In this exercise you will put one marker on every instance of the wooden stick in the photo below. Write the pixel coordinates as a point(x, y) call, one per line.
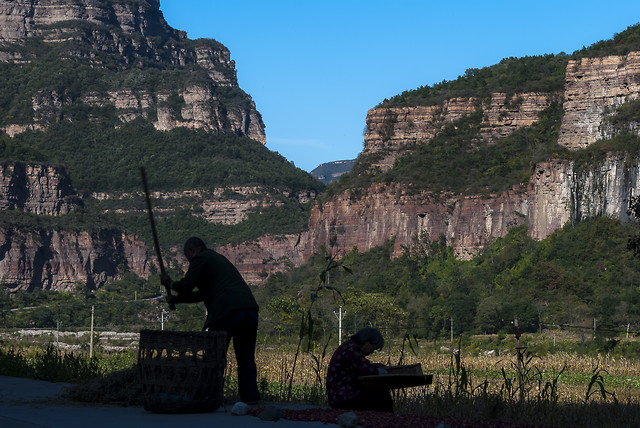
point(156, 243)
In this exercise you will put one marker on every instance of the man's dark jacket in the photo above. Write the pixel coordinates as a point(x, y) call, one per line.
point(217, 283)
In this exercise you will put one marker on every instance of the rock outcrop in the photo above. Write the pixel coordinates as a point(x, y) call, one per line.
point(258, 259)
point(60, 260)
point(595, 88)
point(390, 130)
point(20, 19)
point(126, 37)
point(556, 194)
point(35, 255)
point(37, 189)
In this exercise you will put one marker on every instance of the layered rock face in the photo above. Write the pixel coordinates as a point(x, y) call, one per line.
point(20, 19)
point(36, 189)
point(129, 35)
point(258, 259)
point(392, 211)
point(58, 260)
point(557, 192)
point(594, 88)
point(229, 205)
point(36, 256)
point(389, 130)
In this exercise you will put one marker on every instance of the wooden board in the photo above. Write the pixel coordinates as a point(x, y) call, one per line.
point(395, 381)
point(413, 369)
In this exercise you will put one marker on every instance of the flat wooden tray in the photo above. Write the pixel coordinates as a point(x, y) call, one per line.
point(395, 381)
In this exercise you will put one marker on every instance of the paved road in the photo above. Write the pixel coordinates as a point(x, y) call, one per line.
point(27, 403)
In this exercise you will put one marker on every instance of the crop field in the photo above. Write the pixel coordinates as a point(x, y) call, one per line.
point(558, 389)
point(572, 373)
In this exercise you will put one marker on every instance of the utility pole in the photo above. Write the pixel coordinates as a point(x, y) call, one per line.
point(91, 335)
point(520, 350)
point(58, 333)
point(627, 331)
point(451, 329)
point(340, 315)
point(162, 319)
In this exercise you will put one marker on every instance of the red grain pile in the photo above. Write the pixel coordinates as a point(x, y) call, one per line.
point(388, 420)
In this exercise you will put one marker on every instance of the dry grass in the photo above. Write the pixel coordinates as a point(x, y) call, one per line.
point(559, 389)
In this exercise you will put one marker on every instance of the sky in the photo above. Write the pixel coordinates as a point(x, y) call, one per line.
point(314, 68)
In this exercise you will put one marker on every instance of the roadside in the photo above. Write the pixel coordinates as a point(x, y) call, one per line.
point(28, 403)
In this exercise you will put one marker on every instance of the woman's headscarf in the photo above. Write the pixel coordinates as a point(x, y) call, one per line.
point(371, 335)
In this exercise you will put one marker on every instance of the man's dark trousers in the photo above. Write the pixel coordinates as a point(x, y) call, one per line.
point(242, 326)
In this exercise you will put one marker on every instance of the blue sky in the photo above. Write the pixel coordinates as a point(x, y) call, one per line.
point(314, 68)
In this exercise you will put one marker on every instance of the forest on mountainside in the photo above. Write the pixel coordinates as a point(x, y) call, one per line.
point(581, 273)
point(88, 102)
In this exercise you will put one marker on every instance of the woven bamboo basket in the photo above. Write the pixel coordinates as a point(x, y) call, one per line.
point(182, 372)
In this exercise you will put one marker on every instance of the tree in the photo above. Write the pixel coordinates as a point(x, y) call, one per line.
point(375, 309)
point(286, 309)
point(634, 210)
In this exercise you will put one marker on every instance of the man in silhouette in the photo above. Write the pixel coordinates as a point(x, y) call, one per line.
point(231, 307)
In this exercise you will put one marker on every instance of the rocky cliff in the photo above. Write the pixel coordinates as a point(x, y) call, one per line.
point(37, 189)
point(389, 130)
point(59, 260)
point(557, 192)
point(35, 255)
point(595, 88)
point(125, 37)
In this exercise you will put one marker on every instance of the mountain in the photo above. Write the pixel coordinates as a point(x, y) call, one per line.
point(96, 89)
point(331, 171)
point(540, 141)
point(60, 56)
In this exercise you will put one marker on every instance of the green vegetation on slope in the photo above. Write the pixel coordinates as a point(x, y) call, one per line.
point(174, 229)
point(456, 160)
point(56, 81)
point(580, 273)
point(620, 44)
point(511, 75)
point(453, 161)
point(100, 158)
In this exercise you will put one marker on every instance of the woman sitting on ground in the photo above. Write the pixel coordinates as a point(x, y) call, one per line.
point(348, 362)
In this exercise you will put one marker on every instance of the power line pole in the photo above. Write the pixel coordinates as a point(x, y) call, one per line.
point(91, 335)
point(452, 329)
point(340, 315)
point(627, 331)
point(58, 333)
